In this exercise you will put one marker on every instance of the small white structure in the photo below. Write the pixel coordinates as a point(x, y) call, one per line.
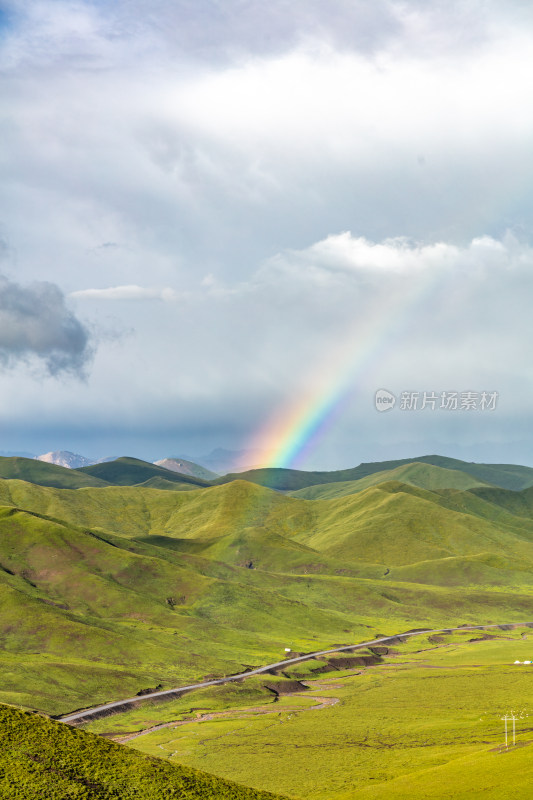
point(517, 662)
point(527, 662)
point(287, 649)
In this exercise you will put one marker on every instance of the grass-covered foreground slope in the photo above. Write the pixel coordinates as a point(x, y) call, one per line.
point(425, 723)
point(42, 758)
point(105, 592)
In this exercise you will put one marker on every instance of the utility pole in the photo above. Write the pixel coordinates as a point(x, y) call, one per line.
point(513, 718)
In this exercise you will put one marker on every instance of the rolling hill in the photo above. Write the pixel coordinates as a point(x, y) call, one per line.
point(44, 474)
point(507, 476)
point(131, 471)
point(121, 472)
point(426, 476)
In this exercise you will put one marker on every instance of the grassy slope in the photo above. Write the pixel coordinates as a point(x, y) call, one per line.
point(41, 758)
point(390, 525)
point(518, 503)
point(425, 476)
point(161, 483)
point(68, 595)
point(396, 524)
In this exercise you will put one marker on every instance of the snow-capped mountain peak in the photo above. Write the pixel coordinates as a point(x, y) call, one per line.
point(64, 458)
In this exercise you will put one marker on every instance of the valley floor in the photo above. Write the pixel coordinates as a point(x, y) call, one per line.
point(424, 723)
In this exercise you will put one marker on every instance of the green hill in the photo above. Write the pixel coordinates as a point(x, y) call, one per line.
point(42, 758)
point(508, 476)
point(43, 474)
point(425, 476)
point(396, 524)
point(131, 471)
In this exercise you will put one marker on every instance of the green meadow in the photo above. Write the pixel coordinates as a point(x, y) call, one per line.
point(420, 724)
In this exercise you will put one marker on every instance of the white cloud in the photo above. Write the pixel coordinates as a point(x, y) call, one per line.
point(346, 254)
point(130, 292)
point(222, 165)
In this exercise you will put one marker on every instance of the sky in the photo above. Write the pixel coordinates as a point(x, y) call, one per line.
point(229, 224)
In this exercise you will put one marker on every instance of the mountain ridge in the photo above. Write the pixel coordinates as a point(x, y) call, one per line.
point(509, 476)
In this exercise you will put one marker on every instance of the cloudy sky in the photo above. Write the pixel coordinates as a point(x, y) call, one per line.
point(227, 223)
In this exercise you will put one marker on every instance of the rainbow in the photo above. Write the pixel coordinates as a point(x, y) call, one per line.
point(295, 429)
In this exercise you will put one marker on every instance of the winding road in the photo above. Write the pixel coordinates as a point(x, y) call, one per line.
point(123, 705)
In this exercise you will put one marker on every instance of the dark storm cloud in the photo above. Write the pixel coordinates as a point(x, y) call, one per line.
point(34, 321)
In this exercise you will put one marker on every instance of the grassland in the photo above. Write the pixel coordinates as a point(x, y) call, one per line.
point(422, 724)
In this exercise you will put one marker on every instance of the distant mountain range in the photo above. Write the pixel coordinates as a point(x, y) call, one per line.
point(508, 476)
point(223, 461)
point(433, 472)
point(218, 462)
point(64, 458)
